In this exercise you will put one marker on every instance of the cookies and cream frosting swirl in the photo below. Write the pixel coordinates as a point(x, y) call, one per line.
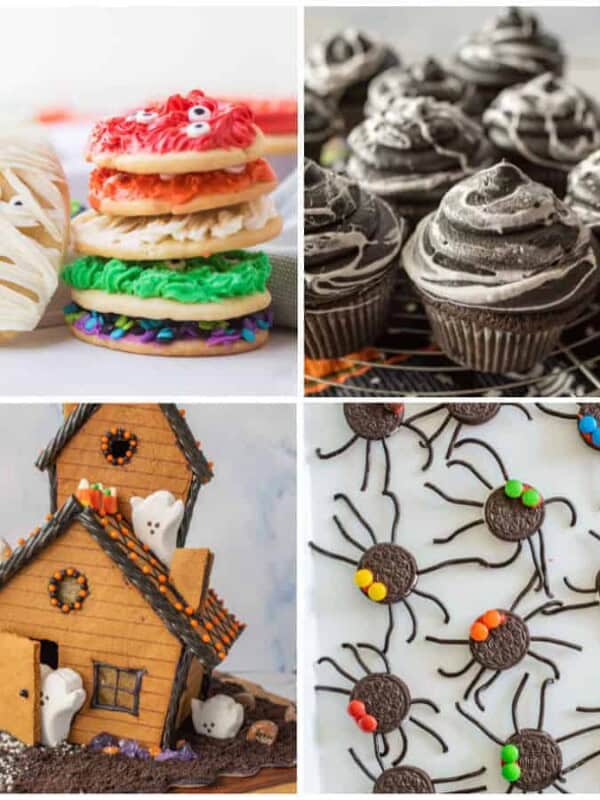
point(583, 194)
point(417, 145)
point(546, 121)
point(500, 241)
point(509, 49)
point(426, 78)
point(342, 60)
point(321, 120)
point(351, 238)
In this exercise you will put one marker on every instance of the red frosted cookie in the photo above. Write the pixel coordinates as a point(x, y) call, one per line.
point(125, 194)
point(191, 133)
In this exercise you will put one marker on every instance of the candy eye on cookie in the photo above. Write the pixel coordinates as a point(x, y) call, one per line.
point(375, 590)
point(196, 129)
point(145, 117)
point(199, 112)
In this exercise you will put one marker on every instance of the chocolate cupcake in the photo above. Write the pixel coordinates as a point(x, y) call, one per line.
point(502, 266)
point(545, 126)
point(351, 245)
point(512, 48)
point(583, 193)
point(321, 123)
point(341, 67)
point(426, 78)
point(412, 153)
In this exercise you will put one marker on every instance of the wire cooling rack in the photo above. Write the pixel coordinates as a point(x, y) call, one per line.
point(405, 361)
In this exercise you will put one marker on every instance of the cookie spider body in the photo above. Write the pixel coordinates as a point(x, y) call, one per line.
point(473, 413)
point(385, 697)
point(404, 780)
point(540, 759)
point(392, 567)
point(509, 520)
point(374, 421)
point(505, 645)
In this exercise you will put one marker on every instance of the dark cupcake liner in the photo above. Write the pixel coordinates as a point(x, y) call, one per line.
point(333, 332)
point(494, 342)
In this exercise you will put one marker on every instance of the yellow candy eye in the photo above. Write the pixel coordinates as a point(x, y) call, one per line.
point(377, 592)
point(363, 578)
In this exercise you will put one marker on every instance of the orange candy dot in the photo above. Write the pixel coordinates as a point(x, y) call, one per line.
point(162, 579)
point(54, 601)
point(478, 632)
point(189, 611)
point(206, 638)
point(65, 609)
point(178, 606)
point(146, 570)
point(492, 619)
point(194, 623)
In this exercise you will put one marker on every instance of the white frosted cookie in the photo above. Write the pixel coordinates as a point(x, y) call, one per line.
point(34, 229)
point(177, 237)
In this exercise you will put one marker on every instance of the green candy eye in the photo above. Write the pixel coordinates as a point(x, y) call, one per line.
point(509, 753)
point(513, 488)
point(511, 772)
point(531, 498)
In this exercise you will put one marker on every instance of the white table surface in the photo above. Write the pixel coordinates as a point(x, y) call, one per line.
point(548, 453)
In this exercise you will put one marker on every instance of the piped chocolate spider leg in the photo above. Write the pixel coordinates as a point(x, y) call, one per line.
point(552, 413)
point(413, 618)
point(472, 470)
point(514, 708)
point(338, 689)
point(380, 653)
point(474, 682)
point(544, 687)
point(482, 728)
point(470, 790)
point(490, 450)
point(344, 533)
point(579, 732)
point(330, 554)
point(573, 588)
point(483, 688)
point(424, 440)
point(465, 775)
point(390, 628)
point(396, 519)
point(521, 407)
point(524, 592)
point(324, 456)
point(461, 671)
point(361, 766)
point(544, 564)
point(385, 745)
point(460, 530)
point(574, 606)
point(357, 656)
point(423, 701)
point(388, 465)
point(547, 661)
point(439, 640)
point(457, 501)
point(536, 565)
point(367, 470)
point(559, 788)
point(594, 534)
point(400, 758)
point(440, 429)
point(453, 438)
point(436, 600)
point(581, 762)
point(431, 732)
point(510, 789)
point(428, 412)
point(569, 505)
point(481, 561)
point(337, 668)
point(357, 514)
point(561, 642)
point(543, 609)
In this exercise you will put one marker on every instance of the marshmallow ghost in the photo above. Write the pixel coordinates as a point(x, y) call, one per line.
point(62, 696)
point(156, 520)
point(221, 717)
point(34, 229)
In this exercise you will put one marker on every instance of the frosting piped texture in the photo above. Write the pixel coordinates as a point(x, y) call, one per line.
point(546, 121)
point(347, 58)
point(426, 78)
point(351, 238)
point(178, 124)
point(583, 195)
point(512, 48)
point(500, 241)
point(417, 146)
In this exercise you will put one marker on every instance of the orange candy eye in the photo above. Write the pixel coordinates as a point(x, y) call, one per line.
point(492, 619)
point(479, 632)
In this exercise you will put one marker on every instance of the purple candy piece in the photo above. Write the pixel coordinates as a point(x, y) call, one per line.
point(102, 740)
point(185, 753)
point(148, 336)
point(225, 339)
point(133, 749)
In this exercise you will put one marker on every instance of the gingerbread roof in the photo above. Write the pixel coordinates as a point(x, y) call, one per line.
point(208, 632)
point(80, 415)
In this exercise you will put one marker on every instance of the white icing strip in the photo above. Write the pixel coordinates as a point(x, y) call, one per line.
point(33, 210)
point(136, 231)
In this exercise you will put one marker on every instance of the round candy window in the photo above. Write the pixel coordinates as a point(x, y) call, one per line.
point(118, 446)
point(68, 589)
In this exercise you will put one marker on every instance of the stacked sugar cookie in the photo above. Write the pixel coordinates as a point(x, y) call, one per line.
point(179, 189)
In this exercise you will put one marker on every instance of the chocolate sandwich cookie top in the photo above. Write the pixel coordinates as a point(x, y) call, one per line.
point(546, 121)
point(416, 146)
point(345, 59)
point(583, 193)
point(351, 237)
point(404, 780)
point(425, 78)
point(321, 120)
point(502, 241)
point(512, 48)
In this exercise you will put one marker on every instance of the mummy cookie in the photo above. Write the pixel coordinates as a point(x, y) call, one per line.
point(34, 230)
point(124, 194)
point(173, 237)
point(184, 133)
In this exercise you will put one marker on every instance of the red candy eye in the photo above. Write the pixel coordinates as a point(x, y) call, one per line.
point(356, 709)
point(368, 724)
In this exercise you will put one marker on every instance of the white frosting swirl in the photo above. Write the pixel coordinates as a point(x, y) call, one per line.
point(347, 58)
point(583, 194)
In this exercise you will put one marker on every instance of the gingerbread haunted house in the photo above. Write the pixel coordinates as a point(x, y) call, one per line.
point(106, 587)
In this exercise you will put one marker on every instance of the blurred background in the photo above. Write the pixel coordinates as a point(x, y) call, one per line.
point(246, 515)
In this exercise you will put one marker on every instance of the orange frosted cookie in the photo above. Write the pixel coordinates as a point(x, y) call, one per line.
point(126, 194)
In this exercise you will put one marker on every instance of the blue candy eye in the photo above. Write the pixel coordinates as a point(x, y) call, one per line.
point(596, 437)
point(588, 424)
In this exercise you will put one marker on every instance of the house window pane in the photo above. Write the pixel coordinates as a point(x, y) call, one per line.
point(127, 680)
point(126, 700)
point(117, 689)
